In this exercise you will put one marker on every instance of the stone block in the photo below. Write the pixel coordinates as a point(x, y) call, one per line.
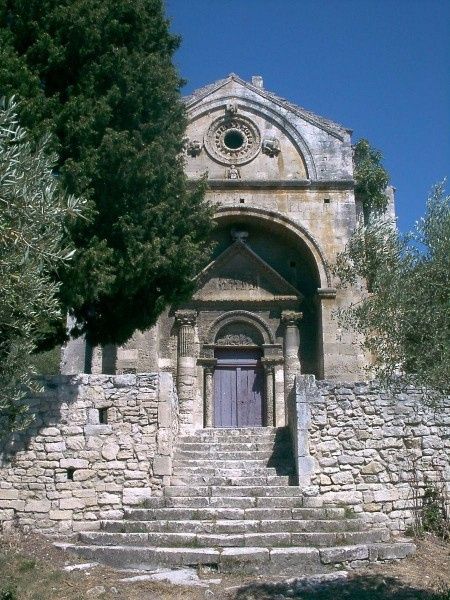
point(37, 506)
point(8, 494)
point(71, 503)
point(164, 414)
point(75, 442)
point(110, 451)
point(60, 515)
point(343, 553)
point(162, 465)
point(74, 463)
point(135, 496)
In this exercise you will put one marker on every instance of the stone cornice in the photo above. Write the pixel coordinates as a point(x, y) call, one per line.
point(276, 184)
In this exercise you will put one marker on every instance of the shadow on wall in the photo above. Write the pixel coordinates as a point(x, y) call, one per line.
point(45, 410)
point(369, 587)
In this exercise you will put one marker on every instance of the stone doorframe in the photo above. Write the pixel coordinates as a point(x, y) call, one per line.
point(273, 362)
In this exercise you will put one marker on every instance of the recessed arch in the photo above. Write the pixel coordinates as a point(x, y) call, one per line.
point(240, 316)
point(299, 232)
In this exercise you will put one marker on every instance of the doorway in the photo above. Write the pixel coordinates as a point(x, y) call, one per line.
point(238, 388)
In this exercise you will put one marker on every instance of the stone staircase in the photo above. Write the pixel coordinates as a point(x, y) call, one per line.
point(232, 505)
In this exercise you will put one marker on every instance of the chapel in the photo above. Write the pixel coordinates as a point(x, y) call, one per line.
point(281, 179)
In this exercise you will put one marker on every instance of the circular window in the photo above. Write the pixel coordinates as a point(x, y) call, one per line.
point(233, 139)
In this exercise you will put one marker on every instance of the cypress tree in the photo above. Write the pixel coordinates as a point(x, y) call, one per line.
point(98, 75)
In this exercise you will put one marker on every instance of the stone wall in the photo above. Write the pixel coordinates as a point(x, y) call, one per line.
point(375, 450)
point(98, 444)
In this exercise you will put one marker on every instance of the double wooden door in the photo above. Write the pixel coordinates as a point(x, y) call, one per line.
point(238, 388)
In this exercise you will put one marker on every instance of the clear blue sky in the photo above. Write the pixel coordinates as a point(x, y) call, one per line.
point(379, 67)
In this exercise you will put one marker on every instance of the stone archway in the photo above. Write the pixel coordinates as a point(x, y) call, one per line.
point(239, 371)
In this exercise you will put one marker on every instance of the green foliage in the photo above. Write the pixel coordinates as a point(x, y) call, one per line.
point(405, 321)
point(434, 512)
point(371, 179)
point(98, 74)
point(33, 215)
point(8, 593)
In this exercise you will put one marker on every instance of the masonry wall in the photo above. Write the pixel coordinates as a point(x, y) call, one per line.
point(68, 470)
point(374, 450)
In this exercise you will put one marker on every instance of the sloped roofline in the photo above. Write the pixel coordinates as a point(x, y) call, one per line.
point(329, 126)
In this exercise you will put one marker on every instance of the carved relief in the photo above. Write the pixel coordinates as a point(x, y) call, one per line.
point(233, 172)
point(194, 148)
point(233, 140)
point(244, 282)
point(238, 334)
point(239, 339)
point(271, 147)
point(231, 109)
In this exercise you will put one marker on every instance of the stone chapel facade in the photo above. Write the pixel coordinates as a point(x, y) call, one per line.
point(282, 181)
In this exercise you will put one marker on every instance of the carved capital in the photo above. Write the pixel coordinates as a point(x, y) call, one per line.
point(268, 365)
point(290, 317)
point(186, 317)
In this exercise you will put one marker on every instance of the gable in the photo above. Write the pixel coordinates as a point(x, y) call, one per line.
point(239, 274)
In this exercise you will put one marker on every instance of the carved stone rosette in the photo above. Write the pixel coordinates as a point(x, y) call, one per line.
point(233, 140)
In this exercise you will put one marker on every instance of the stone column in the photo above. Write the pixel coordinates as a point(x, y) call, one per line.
point(74, 353)
point(269, 371)
point(208, 416)
point(329, 351)
point(291, 349)
point(186, 369)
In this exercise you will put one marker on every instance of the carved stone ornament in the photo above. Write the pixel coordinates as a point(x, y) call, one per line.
point(290, 317)
point(186, 317)
point(271, 147)
point(194, 147)
point(231, 109)
point(233, 173)
point(233, 140)
point(238, 339)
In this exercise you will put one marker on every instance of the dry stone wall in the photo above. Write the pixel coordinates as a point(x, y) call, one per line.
point(374, 450)
point(98, 444)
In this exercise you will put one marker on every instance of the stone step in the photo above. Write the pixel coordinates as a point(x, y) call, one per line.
point(276, 560)
point(213, 513)
point(222, 433)
point(244, 455)
point(227, 491)
point(226, 463)
point(235, 502)
point(201, 480)
point(206, 540)
point(221, 471)
point(211, 447)
point(235, 526)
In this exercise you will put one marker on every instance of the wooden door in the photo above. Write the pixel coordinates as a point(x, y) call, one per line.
point(238, 388)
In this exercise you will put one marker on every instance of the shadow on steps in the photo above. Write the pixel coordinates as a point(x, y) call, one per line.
point(361, 587)
point(282, 458)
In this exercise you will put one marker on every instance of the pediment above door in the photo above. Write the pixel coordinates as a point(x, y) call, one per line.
point(239, 274)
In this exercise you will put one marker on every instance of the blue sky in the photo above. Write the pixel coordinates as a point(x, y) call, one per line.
point(380, 67)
